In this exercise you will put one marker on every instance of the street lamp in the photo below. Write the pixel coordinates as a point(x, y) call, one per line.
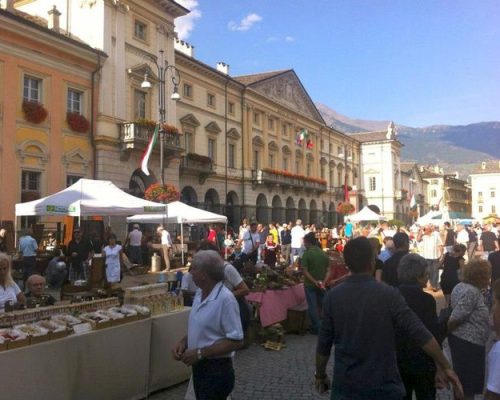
point(162, 67)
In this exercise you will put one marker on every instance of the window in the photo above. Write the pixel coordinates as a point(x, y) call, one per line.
point(30, 181)
point(284, 130)
point(231, 152)
point(372, 183)
point(256, 118)
point(211, 149)
point(188, 138)
point(492, 194)
point(285, 164)
point(321, 144)
point(330, 148)
point(322, 172)
point(139, 104)
point(75, 101)
point(339, 177)
point(72, 179)
point(256, 163)
point(187, 90)
point(480, 209)
point(297, 167)
point(479, 194)
point(32, 89)
point(230, 108)
point(211, 100)
point(433, 193)
point(271, 161)
point(330, 177)
point(270, 124)
point(309, 169)
point(493, 209)
point(140, 30)
point(339, 150)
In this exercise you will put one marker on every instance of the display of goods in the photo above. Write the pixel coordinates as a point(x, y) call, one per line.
point(11, 335)
point(31, 330)
point(155, 297)
point(110, 314)
point(51, 326)
point(140, 310)
point(66, 319)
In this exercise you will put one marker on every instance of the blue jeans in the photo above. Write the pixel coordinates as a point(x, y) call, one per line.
point(314, 297)
point(135, 253)
point(296, 251)
point(433, 266)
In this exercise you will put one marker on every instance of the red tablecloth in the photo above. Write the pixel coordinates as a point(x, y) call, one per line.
point(274, 304)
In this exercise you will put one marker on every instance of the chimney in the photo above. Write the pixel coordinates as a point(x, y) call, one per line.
point(483, 165)
point(184, 47)
point(54, 19)
point(223, 67)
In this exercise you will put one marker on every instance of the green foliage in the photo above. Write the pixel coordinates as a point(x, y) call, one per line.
point(396, 222)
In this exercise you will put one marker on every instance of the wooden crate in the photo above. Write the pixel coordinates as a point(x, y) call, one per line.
point(297, 320)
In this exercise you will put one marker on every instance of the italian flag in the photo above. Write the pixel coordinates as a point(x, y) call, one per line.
point(148, 151)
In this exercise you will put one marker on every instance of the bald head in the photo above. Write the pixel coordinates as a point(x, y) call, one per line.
point(36, 285)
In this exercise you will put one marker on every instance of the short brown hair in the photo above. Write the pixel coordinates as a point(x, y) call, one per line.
point(477, 272)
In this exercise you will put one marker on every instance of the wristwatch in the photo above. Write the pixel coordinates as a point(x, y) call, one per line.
point(198, 353)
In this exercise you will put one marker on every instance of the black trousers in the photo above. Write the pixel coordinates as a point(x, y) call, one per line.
point(213, 379)
point(421, 384)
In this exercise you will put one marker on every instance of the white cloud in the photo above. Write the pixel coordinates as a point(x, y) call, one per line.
point(246, 23)
point(274, 39)
point(184, 25)
point(289, 39)
point(271, 39)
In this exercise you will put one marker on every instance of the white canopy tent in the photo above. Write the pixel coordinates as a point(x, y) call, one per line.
point(366, 214)
point(180, 213)
point(430, 217)
point(89, 197)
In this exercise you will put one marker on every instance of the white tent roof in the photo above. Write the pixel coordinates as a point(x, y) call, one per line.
point(431, 216)
point(178, 212)
point(366, 214)
point(89, 197)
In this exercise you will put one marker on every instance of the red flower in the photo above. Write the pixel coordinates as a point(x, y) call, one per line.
point(170, 129)
point(162, 194)
point(34, 111)
point(345, 208)
point(77, 122)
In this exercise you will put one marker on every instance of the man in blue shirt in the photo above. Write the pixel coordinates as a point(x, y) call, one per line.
point(28, 248)
point(361, 317)
point(348, 231)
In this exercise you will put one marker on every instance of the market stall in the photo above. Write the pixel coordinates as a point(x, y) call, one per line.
point(366, 214)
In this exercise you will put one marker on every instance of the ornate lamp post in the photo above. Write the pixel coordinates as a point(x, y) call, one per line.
point(163, 67)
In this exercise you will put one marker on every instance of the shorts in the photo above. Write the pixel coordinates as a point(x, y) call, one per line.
point(493, 382)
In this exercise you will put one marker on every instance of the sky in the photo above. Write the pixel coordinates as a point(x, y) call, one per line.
point(418, 63)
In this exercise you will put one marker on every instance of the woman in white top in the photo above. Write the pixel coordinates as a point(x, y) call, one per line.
point(112, 256)
point(9, 291)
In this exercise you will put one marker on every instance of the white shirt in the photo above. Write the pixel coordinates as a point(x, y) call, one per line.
point(462, 237)
point(213, 319)
point(249, 241)
point(8, 293)
point(430, 246)
point(165, 238)
point(135, 237)
point(232, 277)
point(298, 234)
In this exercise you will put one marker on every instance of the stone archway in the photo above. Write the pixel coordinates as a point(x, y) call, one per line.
point(139, 182)
point(233, 210)
point(189, 196)
point(277, 210)
point(262, 209)
point(303, 213)
point(212, 202)
point(332, 215)
point(291, 211)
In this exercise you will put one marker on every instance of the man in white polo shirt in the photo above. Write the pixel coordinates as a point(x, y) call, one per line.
point(134, 240)
point(298, 234)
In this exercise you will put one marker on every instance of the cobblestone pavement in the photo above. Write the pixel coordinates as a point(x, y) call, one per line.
point(274, 375)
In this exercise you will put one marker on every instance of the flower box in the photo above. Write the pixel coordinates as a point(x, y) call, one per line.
point(170, 129)
point(34, 112)
point(162, 194)
point(345, 208)
point(77, 122)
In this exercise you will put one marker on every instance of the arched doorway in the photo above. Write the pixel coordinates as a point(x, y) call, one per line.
point(189, 196)
point(233, 210)
point(212, 202)
point(262, 209)
point(291, 211)
point(332, 216)
point(303, 214)
point(324, 214)
point(313, 212)
point(139, 182)
point(277, 210)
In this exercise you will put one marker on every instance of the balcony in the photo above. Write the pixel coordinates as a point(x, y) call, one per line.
point(135, 136)
point(196, 164)
point(401, 194)
point(285, 179)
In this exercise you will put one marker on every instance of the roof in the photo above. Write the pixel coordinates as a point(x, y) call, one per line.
point(490, 167)
point(249, 80)
point(173, 8)
point(42, 25)
point(429, 174)
point(365, 137)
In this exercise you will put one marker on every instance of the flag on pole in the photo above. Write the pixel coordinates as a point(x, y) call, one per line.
point(413, 202)
point(149, 150)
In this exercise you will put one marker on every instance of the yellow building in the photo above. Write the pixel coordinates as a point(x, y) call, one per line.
point(46, 103)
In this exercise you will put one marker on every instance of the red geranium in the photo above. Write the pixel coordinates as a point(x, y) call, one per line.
point(345, 208)
point(170, 129)
point(77, 122)
point(34, 111)
point(162, 194)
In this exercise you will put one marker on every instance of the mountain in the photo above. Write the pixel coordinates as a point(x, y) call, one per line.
point(455, 148)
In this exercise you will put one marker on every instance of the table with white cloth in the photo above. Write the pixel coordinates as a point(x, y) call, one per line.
point(107, 364)
point(166, 331)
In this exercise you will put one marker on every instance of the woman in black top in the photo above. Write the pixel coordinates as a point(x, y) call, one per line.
point(452, 264)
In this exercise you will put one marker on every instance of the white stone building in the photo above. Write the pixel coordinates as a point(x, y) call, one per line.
point(485, 187)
